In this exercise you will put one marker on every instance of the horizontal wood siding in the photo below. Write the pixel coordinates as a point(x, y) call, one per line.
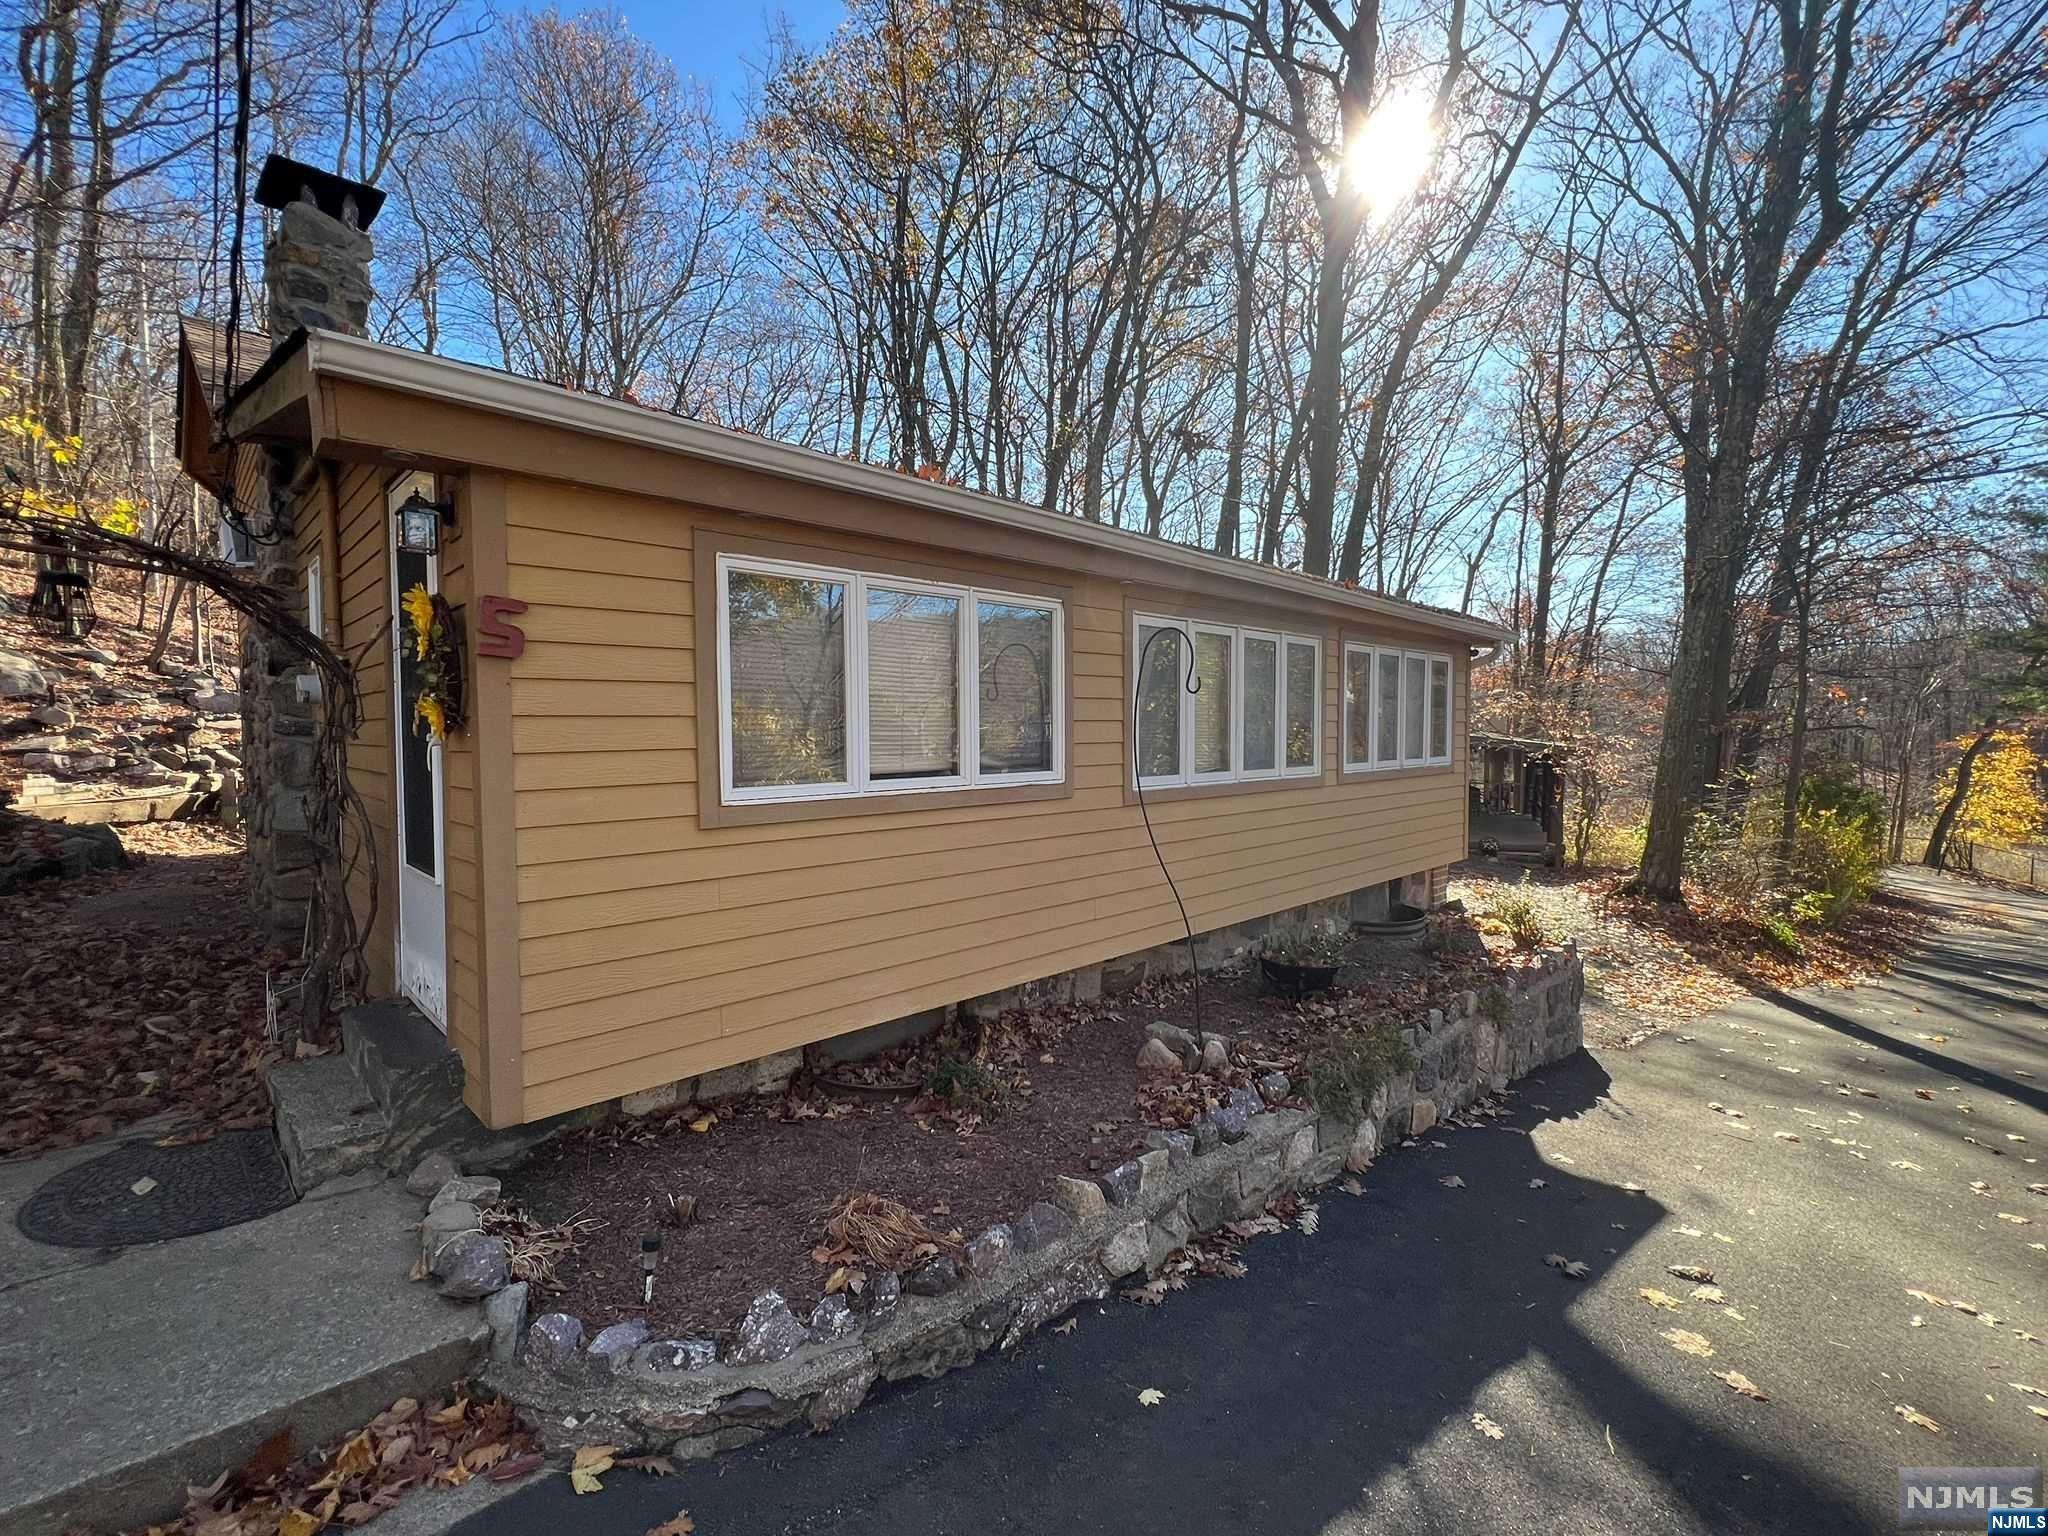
point(652, 947)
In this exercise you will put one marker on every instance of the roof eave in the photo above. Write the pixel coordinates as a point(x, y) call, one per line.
point(354, 358)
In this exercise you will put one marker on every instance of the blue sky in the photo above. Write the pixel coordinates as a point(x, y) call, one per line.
point(717, 43)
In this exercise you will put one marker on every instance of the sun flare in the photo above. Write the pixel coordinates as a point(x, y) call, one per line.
point(1390, 154)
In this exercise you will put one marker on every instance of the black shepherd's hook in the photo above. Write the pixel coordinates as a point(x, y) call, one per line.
point(1192, 685)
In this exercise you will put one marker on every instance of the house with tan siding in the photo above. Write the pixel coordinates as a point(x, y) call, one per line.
point(764, 748)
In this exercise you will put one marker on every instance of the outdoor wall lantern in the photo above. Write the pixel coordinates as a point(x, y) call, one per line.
point(419, 524)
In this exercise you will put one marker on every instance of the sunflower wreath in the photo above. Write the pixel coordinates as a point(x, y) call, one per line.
point(437, 647)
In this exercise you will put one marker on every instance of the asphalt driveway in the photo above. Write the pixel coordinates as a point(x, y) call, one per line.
point(1334, 1388)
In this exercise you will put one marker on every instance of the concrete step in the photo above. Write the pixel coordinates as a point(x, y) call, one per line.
point(328, 1125)
point(126, 1376)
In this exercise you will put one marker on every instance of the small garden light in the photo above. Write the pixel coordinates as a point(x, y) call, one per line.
point(650, 1255)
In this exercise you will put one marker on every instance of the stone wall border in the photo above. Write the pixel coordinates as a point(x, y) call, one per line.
point(695, 1397)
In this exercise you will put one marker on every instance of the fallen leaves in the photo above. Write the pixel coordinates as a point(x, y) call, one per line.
point(1915, 1417)
point(1687, 1342)
point(1737, 1382)
point(1712, 1295)
point(1308, 1221)
point(1657, 1298)
point(679, 1524)
point(2016, 1220)
point(1451, 1181)
point(1151, 1397)
point(1576, 1268)
point(592, 1462)
point(1487, 1427)
point(409, 1445)
point(1695, 1272)
point(1068, 1326)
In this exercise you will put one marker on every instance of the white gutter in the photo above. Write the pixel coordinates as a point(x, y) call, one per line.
point(368, 362)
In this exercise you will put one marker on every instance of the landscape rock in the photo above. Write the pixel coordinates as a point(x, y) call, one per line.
point(1126, 1250)
point(615, 1345)
point(470, 1265)
point(57, 717)
point(19, 677)
point(1233, 1117)
point(505, 1311)
point(883, 1293)
point(1041, 1226)
point(1422, 1116)
point(430, 1173)
point(1274, 1087)
point(1215, 1057)
point(552, 1339)
point(1124, 1182)
point(934, 1278)
point(1065, 1288)
point(445, 1222)
point(221, 701)
point(987, 1253)
point(768, 1332)
point(1082, 1198)
point(1153, 1167)
point(1178, 1146)
point(475, 1191)
point(1181, 1042)
point(1157, 1059)
point(833, 1319)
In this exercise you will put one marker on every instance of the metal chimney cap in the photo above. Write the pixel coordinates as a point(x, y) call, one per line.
point(285, 180)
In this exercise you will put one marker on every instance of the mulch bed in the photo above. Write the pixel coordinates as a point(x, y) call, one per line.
point(765, 1172)
point(132, 993)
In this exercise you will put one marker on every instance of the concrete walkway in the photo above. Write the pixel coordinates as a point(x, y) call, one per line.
point(1334, 1388)
point(127, 1373)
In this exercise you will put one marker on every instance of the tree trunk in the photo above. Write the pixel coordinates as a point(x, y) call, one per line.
point(1944, 824)
point(1324, 390)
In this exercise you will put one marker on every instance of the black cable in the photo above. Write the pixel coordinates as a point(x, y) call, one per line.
point(1193, 685)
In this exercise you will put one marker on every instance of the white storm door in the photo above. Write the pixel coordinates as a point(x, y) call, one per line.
point(422, 901)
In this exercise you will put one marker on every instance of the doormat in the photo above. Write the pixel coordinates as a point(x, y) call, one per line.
point(143, 1193)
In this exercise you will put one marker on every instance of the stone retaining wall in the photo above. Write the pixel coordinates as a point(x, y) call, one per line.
point(695, 1397)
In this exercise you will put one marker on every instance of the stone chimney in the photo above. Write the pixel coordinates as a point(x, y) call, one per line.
point(316, 276)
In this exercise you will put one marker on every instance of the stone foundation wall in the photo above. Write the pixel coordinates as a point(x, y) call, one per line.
point(694, 1397)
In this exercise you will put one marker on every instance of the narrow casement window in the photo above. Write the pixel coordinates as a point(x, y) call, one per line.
point(1261, 705)
point(913, 686)
point(1215, 719)
point(1218, 704)
point(1414, 705)
point(1016, 686)
point(1439, 709)
point(1162, 666)
point(839, 683)
point(1387, 711)
point(1357, 706)
point(1302, 705)
point(316, 602)
point(787, 652)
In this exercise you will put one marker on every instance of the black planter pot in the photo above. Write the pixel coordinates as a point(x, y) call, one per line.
point(1298, 980)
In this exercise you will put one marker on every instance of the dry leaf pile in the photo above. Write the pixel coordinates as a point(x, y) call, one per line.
point(875, 1231)
point(535, 1250)
point(409, 1445)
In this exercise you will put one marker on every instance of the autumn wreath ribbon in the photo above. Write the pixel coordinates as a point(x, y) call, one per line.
point(437, 648)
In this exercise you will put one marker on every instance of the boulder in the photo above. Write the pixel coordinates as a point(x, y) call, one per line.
point(987, 1253)
point(1274, 1087)
point(1215, 1056)
point(221, 701)
point(505, 1311)
point(833, 1319)
point(1178, 1146)
point(1422, 1116)
point(20, 678)
point(445, 1222)
point(1158, 1059)
point(882, 1295)
point(1040, 1226)
point(1124, 1182)
point(768, 1332)
point(933, 1278)
point(470, 1265)
point(614, 1345)
point(430, 1174)
point(1126, 1251)
point(474, 1191)
point(1082, 1198)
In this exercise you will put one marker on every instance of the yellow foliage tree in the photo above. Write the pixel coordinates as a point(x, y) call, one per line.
point(2004, 806)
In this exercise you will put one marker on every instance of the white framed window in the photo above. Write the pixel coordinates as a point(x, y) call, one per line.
point(835, 682)
point(1255, 712)
point(316, 602)
point(1397, 708)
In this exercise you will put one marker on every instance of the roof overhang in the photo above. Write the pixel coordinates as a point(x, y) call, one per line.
point(328, 355)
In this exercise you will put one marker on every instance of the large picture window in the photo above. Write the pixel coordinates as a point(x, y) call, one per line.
point(1255, 711)
point(1397, 708)
point(835, 682)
